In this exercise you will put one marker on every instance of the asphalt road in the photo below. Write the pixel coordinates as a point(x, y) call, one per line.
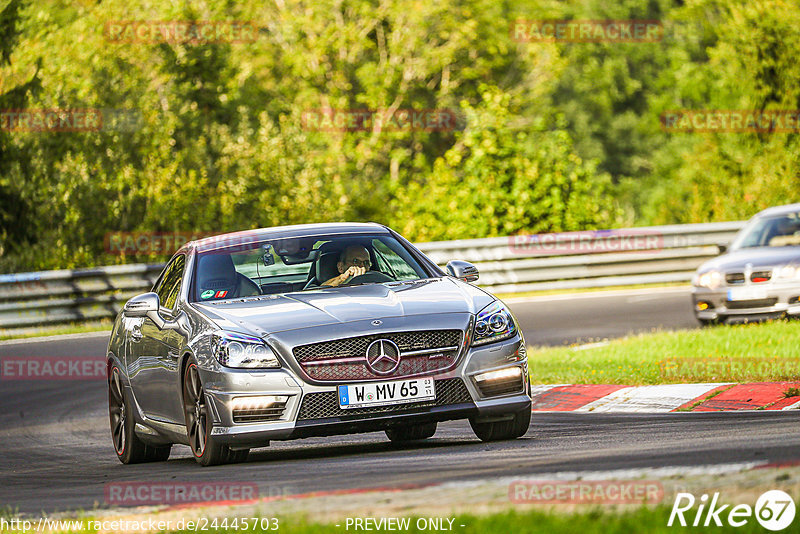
point(56, 452)
point(589, 317)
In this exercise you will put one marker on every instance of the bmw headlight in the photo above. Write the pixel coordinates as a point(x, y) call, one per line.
point(788, 272)
point(493, 323)
point(710, 279)
point(243, 352)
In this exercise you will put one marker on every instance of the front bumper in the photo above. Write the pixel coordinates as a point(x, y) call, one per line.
point(777, 299)
point(313, 410)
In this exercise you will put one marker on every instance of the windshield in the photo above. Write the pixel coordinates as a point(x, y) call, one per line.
point(302, 264)
point(780, 231)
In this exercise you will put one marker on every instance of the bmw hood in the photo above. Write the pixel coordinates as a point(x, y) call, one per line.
point(757, 256)
point(291, 311)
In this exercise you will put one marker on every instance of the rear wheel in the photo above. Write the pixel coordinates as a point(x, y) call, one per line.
point(206, 449)
point(411, 432)
point(130, 449)
point(500, 430)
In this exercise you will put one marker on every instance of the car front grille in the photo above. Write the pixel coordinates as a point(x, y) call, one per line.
point(422, 352)
point(756, 277)
point(746, 304)
point(734, 278)
point(760, 277)
point(325, 405)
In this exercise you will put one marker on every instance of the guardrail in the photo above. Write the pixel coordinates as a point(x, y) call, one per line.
point(51, 297)
point(571, 260)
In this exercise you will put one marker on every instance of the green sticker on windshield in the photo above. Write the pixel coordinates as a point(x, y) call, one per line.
point(207, 294)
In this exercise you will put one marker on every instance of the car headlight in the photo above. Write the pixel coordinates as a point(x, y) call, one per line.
point(243, 352)
point(710, 279)
point(493, 323)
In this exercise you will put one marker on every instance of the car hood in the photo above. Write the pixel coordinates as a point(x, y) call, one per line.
point(758, 256)
point(278, 313)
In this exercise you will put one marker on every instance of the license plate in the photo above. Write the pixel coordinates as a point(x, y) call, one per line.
point(386, 393)
point(747, 293)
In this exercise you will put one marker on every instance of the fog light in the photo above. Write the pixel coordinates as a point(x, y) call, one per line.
point(794, 300)
point(502, 374)
point(702, 305)
point(258, 408)
point(258, 402)
point(506, 381)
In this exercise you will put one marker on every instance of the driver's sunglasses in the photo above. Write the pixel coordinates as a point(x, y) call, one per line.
point(360, 263)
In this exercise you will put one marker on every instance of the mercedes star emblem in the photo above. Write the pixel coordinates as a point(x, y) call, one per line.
point(383, 357)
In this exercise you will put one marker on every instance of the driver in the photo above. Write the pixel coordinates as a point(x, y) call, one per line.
point(353, 261)
point(784, 233)
point(785, 227)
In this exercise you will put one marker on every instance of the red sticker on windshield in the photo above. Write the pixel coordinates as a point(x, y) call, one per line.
point(220, 294)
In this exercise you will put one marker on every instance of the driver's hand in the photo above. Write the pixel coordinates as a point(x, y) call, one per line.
point(351, 272)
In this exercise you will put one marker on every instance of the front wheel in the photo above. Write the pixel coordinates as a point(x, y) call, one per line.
point(130, 449)
point(207, 450)
point(500, 430)
point(709, 322)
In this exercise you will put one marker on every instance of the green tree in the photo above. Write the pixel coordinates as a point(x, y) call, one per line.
point(18, 221)
point(498, 180)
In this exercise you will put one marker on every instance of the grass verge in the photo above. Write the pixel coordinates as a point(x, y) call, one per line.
point(730, 353)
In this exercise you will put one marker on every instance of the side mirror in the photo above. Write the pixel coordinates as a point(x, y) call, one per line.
point(148, 305)
point(463, 270)
point(142, 305)
point(722, 247)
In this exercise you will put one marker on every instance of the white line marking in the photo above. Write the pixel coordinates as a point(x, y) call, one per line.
point(650, 399)
point(795, 406)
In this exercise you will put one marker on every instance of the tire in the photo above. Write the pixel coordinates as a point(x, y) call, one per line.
point(129, 448)
point(405, 433)
point(704, 323)
point(500, 430)
point(199, 423)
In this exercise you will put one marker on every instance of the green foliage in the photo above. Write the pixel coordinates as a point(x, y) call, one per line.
point(550, 137)
point(500, 180)
point(752, 66)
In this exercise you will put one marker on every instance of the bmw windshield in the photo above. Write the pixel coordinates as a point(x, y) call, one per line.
point(777, 231)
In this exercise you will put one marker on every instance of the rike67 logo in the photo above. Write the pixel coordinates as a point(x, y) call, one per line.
point(774, 510)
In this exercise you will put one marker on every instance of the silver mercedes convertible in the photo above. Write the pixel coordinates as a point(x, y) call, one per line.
point(310, 330)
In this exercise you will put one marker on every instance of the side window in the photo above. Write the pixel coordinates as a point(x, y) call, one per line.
point(397, 265)
point(170, 285)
